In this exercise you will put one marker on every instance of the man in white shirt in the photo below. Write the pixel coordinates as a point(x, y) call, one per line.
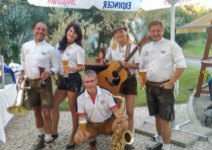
point(38, 62)
point(98, 109)
point(159, 57)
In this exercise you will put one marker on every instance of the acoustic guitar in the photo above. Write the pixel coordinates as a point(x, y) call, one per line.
point(115, 74)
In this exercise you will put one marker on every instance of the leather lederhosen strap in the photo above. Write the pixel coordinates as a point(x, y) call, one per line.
point(155, 84)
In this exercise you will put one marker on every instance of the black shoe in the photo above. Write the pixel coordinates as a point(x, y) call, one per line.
point(157, 146)
point(54, 136)
point(49, 145)
point(129, 147)
point(40, 143)
point(209, 107)
point(68, 147)
point(92, 145)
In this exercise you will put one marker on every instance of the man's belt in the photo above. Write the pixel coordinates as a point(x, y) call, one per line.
point(155, 84)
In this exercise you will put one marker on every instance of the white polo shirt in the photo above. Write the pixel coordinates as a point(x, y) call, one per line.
point(159, 59)
point(73, 53)
point(100, 110)
point(119, 54)
point(34, 55)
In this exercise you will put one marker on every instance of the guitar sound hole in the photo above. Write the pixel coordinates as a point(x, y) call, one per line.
point(115, 74)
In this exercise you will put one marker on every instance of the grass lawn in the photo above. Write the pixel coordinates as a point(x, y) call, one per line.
point(195, 48)
point(188, 81)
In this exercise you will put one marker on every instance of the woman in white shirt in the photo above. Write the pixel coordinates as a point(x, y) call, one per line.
point(120, 42)
point(70, 82)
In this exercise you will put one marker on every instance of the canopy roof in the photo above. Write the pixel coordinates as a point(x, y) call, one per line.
point(197, 25)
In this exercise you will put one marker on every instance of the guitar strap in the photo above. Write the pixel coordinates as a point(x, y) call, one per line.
point(126, 55)
point(127, 50)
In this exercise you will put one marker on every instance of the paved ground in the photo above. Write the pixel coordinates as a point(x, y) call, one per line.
point(21, 133)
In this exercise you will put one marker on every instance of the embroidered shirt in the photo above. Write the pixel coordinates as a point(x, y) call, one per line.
point(34, 55)
point(159, 58)
point(119, 54)
point(100, 110)
point(73, 53)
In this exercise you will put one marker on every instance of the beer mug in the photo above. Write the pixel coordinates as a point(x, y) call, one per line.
point(82, 124)
point(142, 74)
point(65, 64)
point(41, 70)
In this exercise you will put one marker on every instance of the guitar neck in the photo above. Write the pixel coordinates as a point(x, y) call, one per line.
point(140, 44)
point(131, 54)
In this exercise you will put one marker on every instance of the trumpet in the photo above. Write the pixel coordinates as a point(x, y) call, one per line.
point(18, 106)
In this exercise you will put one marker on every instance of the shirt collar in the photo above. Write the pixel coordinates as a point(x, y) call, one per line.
point(39, 43)
point(98, 92)
point(72, 45)
point(124, 47)
point(161, 40)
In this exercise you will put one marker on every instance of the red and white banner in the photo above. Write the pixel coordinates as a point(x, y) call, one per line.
point(116, 5)
point(81, 4)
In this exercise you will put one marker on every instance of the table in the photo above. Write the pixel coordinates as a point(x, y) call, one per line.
point(91, 64)
point(7, 98)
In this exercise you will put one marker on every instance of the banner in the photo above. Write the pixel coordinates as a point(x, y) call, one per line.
point(116, 5)
point(81, 4)
point(159, 4)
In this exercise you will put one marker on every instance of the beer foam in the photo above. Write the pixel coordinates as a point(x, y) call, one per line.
point(83, 121)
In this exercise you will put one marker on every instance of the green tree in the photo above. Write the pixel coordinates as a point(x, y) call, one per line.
point(18, 20)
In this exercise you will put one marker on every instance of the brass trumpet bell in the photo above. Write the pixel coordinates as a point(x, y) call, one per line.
point(18, 108)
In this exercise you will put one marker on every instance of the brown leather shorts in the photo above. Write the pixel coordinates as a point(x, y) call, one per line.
point(40, 96)
point(100, 128)
point(129, 86)
point(160, 101)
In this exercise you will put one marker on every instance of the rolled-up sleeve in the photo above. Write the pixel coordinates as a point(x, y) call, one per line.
point(141, 58)
point(80, 56)
point(178, 57)
point(54, 61)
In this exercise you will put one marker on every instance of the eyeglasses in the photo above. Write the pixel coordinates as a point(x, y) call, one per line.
point(91, 81)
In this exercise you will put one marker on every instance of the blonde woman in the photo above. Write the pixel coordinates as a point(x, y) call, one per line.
point(120, 46)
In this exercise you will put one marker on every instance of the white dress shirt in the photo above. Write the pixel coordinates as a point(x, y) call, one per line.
point(34, 55)
point(98, 111)
point(159, 58)
point(119, 54)
point(75, 55)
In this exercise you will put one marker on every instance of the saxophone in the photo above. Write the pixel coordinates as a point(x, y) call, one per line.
point(120, 139)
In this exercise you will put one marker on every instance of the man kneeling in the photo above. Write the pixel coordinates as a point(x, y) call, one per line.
point(97, 110)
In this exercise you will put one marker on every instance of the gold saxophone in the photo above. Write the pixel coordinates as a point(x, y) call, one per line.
point(120, 139)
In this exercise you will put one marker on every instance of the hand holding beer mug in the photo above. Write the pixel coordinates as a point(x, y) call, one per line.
point(142, 74)
point(65, 66)
point(82, 123)
point(41, 70)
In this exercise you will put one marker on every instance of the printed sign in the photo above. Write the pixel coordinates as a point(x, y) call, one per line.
point(116, 5)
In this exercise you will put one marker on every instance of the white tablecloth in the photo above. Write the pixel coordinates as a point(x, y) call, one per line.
point(7, 98)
